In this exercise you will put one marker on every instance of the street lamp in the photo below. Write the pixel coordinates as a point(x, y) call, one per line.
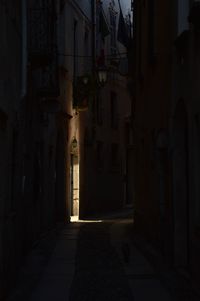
point(74, 146)
point(85, 79)
point(102, 75)
point(101, 69)
point(87, 86)
point(74, 143)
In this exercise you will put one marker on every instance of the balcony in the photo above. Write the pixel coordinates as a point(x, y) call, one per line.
point(46, 81)
point(42, 33)
point(85, 87)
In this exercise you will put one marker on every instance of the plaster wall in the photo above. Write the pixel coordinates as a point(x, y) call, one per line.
point(105, 187)
point(186, 89)
point(152, 112)
point(75, 63)
point(10, 71)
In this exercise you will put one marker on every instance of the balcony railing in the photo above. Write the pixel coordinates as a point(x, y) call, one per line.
point(42, 32)
point(42, 44)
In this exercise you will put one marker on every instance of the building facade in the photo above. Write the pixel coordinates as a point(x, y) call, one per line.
point(75, 62)
point(166, 128)
point(64, 135)
point(10, 107)
point(98, 115)
point(153, 70)
point(107, 121)
point(33, 191)
point(185, 137)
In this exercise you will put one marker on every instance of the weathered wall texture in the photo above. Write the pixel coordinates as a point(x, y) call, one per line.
point(153, 96)
point(167, 128)
point(105, 149)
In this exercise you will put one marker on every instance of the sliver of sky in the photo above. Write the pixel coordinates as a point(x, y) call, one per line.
point(126, 5)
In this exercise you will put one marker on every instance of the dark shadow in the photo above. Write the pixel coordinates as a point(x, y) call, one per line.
point(99, 273)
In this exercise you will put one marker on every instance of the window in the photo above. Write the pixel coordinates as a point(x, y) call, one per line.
point(98, 10)
point(75, 46)
point(102, 27)
point(87, 60)
point(113, 110)
point(113, 44)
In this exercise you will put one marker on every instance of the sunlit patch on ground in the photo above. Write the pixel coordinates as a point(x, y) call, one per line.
point(75, 219)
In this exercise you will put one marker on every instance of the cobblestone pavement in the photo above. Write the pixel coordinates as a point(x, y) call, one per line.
point(90, 261)
point(99, 274)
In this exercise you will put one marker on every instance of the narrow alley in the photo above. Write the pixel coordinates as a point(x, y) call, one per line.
point(93, 260)
point(99, 150)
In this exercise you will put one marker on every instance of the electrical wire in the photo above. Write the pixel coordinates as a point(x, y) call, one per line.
point(90, 56)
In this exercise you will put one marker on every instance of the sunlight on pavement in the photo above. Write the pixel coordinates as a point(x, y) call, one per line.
point(75, 219)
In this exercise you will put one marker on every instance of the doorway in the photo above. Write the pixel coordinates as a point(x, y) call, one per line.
point(74, 187)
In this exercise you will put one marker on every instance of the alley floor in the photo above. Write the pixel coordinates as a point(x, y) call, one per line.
point(89, 261)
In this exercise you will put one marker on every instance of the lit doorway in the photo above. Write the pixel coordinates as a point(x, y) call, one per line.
point(74, 187)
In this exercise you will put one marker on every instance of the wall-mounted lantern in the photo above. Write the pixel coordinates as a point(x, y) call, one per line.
point(74, 143)
point(85, 79)
point(101, 69)
point(86, 86)
point(74, 146)
point(102, 75)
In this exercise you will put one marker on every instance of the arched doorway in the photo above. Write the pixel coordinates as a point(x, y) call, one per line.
point(180, 186)
point(74, 180)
